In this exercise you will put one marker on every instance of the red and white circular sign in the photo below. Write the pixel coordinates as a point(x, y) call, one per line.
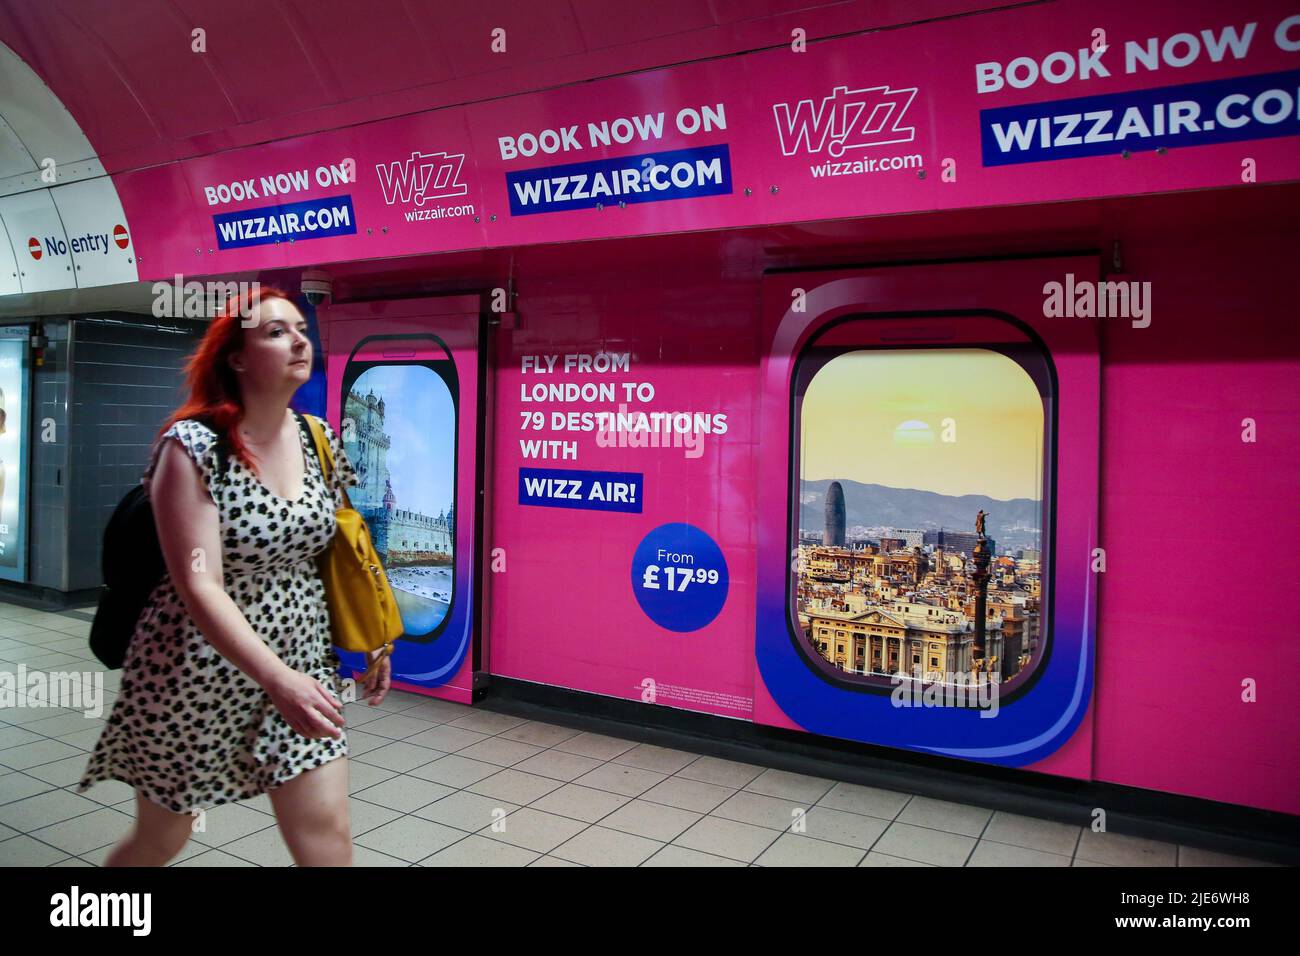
point(34, 247)
point(120, 237)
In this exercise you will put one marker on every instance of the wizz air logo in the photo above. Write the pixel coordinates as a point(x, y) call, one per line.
point(423, 177)
point(847, 119)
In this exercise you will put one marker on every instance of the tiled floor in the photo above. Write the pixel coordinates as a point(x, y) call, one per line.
point(439, 784)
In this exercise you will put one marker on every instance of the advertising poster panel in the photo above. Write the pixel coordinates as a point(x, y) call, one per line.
point(928, 511)
point(625, 504)
point(13, 451)
point(403, 384)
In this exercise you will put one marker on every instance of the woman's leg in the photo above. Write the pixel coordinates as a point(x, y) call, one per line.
point(312, 810)
point(156, 837)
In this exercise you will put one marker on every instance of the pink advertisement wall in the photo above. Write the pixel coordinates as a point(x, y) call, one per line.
point(1194, 672)
point(585, 605)
point(1035, 103)
point(1039, 104)
point(1179, 494)
point(565, 612)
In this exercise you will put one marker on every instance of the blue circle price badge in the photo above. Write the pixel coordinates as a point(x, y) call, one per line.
point(679, 577)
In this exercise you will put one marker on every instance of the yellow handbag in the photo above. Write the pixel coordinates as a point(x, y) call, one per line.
point(364, 616)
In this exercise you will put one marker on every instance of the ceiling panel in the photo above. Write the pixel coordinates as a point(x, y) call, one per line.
point(275, 68)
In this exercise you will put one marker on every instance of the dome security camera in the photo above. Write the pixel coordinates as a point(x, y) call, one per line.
point(316, 286)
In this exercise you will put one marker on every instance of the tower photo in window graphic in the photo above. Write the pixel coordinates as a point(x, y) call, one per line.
point(920, 504)
point(401, 443)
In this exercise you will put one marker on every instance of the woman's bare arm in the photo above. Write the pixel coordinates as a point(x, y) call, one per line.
point(190, 536)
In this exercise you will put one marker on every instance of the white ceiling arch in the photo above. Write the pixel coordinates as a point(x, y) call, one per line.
point(62, 226)
point(35, 126)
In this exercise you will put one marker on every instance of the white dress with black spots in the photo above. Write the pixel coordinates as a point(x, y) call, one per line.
point(188, 728)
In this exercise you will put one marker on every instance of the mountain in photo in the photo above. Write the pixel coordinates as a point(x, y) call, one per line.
point(1012, 523)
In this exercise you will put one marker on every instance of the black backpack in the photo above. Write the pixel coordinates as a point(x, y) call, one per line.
point(132, 564)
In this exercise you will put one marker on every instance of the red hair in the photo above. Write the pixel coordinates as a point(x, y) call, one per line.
point(214, 395)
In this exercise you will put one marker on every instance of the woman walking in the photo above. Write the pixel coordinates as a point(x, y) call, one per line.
point(230, 685)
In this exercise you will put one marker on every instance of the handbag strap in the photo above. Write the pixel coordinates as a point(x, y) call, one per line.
point(311, 425)
point(373, 665)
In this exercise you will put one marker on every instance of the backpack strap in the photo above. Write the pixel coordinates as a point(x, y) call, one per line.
point(221, 448)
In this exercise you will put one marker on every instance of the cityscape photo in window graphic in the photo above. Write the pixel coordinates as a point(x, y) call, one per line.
point(919, 512)
point(401, 443)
